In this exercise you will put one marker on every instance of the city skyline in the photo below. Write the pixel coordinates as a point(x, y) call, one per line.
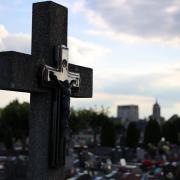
point(135, 60)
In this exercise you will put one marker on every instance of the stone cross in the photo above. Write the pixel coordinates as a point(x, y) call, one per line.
point(31, 73)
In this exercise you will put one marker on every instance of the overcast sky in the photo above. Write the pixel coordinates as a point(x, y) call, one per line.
point(132, 45)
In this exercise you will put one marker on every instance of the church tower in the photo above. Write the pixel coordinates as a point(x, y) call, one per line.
point(156, 112)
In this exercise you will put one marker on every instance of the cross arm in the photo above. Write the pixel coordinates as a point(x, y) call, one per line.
point(17, 72)
point(86, 81)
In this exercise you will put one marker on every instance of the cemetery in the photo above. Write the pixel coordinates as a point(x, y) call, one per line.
point(94, 157)
point(47, 139)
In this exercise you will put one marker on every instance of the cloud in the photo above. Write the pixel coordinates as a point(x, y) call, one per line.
point(162, 83)
point(8, 96)
point(78, 6)
point(14, 41)
point(17, 42)
point(138, 17)
point(3, 31)
point(93, 17)
point(112, 85)
point(3, 34)
point(170, 41)
point(117, 86)
point(86, 53)
point(136, 20)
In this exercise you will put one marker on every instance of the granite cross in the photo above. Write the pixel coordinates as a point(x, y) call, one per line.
point(33, 73)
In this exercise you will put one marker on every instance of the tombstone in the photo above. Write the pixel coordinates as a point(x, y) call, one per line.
point(123, 162)
point(140, 154)
point(43, 74)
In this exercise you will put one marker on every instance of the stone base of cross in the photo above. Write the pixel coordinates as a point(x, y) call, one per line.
point(23, 72)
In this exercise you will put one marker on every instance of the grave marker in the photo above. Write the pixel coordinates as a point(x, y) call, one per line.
point(28, 73)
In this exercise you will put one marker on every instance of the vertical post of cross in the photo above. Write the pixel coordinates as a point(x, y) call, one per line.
point(49, 29)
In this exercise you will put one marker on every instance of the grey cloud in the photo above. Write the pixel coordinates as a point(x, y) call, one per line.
point(140, 17)
point(17, 42)
point(142, 85)
point(14, 41)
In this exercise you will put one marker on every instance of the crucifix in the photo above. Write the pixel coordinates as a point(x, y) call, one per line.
point(51, 80)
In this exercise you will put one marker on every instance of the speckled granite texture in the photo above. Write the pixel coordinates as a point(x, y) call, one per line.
point(19, 73)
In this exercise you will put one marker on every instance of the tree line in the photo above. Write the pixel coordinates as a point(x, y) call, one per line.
point(14, 127)
point(154, 132)
point(14, 124)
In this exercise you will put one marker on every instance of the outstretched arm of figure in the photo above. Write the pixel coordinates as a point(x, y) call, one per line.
point(61, 84)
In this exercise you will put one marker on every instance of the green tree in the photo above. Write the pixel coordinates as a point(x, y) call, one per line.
point(170, 133)
point(88, 118)
point(108, 134)
point(120, 128)
point(152, 132)
point(96, 123)
point(8, 138)
point(74, 121)
point(79, 119)
point(23, 126)
point(171, 129)
point(14, 118)
point(133, 135)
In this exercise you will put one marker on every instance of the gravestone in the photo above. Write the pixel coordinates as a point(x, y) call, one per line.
point(32, 73)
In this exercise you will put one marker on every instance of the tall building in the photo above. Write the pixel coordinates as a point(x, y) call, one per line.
point(128, 113)
point(156, 114)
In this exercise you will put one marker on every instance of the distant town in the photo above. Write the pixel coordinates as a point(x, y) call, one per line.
point(130, 113)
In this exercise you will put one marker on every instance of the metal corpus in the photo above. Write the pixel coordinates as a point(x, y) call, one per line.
point(61, 81)
point(61, 71)
point(56, 140)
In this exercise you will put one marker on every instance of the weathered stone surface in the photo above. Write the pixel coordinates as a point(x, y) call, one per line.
point(86, 82)
point(49, 29)
point(15, 71)
point(19, 72)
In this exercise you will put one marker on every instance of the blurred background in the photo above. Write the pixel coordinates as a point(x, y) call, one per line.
point(130, 129)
